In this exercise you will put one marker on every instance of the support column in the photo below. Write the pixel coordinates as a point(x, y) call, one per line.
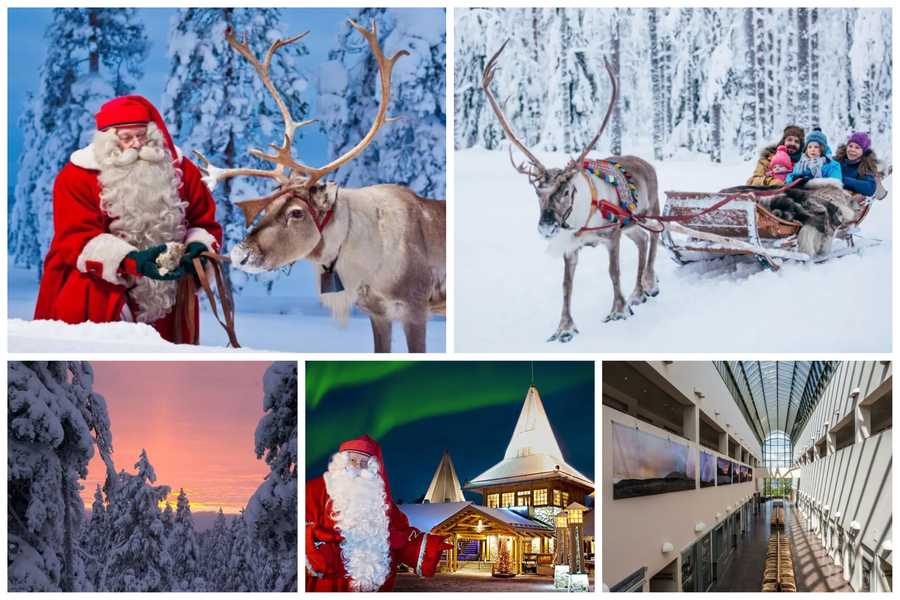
point(862, 418)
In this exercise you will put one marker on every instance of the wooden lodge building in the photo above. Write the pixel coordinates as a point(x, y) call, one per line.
point(520, 496)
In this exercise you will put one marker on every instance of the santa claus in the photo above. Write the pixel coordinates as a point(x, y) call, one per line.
point(130, 214)
point(355, 535)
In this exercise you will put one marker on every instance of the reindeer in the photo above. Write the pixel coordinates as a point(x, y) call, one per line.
point(567, 199)
point(380, 247)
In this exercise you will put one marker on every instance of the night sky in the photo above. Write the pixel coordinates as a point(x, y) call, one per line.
point(417, 409)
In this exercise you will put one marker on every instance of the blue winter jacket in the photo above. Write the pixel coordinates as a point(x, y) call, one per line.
point(853, 181)
point(830, 169)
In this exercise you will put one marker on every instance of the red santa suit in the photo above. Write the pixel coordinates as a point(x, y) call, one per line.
point(83, 278)
point(326, 569)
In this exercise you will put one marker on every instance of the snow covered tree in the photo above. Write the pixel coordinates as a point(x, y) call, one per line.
point(168, 519)
point(615, 125)
point(53, 421)
point(137, 561)
point(216, 104)
point(95, 537)
point(184, 549)
point(93, 54)
point(717, 81)
point(411, 150)
point(216, 551)
point(271, 513)
point(242, 573)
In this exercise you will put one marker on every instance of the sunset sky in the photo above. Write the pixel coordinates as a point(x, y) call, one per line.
point(195, 419)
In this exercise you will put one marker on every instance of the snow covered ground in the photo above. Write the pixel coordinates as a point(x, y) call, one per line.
point(509, 289)
point(289, 320)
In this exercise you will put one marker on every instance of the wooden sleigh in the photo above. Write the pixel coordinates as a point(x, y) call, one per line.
point(745, 227)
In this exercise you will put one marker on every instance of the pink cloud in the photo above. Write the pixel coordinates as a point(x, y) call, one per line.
point(195, 419)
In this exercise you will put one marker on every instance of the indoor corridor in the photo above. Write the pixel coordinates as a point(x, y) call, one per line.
point(814, 569)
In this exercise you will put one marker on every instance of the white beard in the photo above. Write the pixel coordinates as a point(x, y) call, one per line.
point(139, 192)
point(359, 510)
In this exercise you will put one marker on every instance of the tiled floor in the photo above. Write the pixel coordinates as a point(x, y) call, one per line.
point(814, 570)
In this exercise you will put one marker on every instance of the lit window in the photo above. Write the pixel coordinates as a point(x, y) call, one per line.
point(509, 499)
point(565, 498)
point(557, 498)
point(493, 500)
point(540, 497)
point(524, 499)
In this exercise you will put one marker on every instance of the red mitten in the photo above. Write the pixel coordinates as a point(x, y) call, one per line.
point(325, 534)
point(129, 267)
point(422, 552)
point(322, 557)
point(434, 547)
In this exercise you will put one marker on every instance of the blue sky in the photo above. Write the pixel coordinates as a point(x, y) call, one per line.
point(26, 49)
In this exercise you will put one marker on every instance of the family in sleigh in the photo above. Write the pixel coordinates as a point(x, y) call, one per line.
point(796, 155)
point(825, 193)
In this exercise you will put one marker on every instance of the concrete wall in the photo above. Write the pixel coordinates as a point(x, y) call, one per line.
point(634, 529)
point(838, 400)
point(851, 486)
point(689, 377)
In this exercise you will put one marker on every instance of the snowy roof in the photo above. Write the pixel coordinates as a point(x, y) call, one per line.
point(532, 453)
point(776, 395)
point(445, 484)
point(427, 517)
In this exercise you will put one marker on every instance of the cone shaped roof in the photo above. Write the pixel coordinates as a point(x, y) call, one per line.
point(532, 453)
point(445, 484)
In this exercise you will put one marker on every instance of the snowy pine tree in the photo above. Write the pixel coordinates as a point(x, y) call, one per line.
point(216, 551)
point(93, 55)
point(216, 104)
point(95, 538)
point(168, 519)
point(137, 561)
point(53, 420)
point(183, 549)
point(271, 513)
point(411, 150)
point(716, 81)
point(243, 571)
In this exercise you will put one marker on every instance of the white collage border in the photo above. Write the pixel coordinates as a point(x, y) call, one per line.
point(451, 355)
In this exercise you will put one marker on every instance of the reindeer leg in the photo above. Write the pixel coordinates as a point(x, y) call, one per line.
point(415, 329)
point(381, 332)
point(567, 330)
point(620, 309)
point(639, 237)
point(651, 283)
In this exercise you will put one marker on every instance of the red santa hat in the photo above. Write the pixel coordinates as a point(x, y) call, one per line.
point(133, 110)
point(367, 445)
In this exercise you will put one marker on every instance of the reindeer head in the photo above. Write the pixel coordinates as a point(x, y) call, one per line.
point(289, 230)
point(554, 187)
point(296, 214)
point(556, 196)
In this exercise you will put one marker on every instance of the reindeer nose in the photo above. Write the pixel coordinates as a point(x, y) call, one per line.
point(547, 217)
point(240, 255)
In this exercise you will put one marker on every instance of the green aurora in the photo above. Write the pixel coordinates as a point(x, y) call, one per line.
point(346, 399)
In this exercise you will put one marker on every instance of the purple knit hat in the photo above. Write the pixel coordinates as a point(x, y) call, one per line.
point(861, 139)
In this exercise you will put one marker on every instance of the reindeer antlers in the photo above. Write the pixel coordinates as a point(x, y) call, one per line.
point(286, 168)
point(536, 168)
point(385, 69)
point(612, 101)
point(487, 77)
point(215, 174)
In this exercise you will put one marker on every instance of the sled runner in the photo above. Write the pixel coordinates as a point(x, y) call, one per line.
point(744, 227)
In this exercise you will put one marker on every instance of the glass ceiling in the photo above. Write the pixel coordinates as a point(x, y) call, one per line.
point(776, 395)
